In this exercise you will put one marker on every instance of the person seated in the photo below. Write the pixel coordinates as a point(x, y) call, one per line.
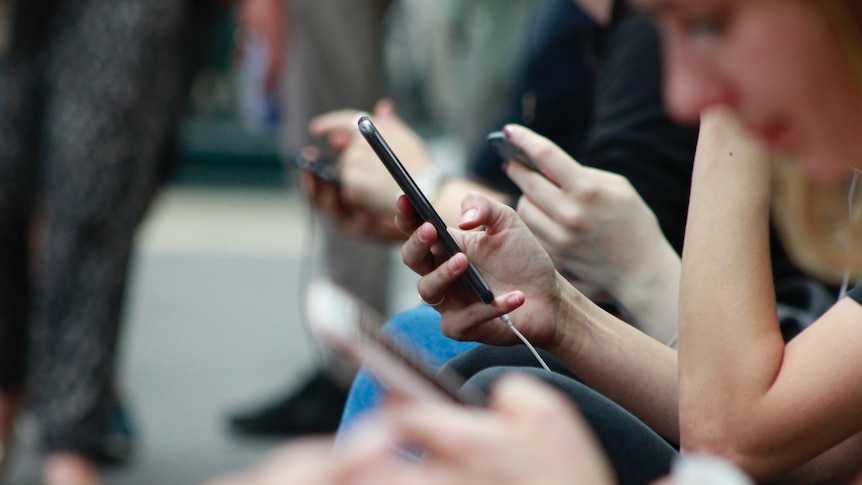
point(631, 137)
point(735, 389)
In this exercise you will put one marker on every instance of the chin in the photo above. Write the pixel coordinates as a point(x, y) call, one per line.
point(827, 167)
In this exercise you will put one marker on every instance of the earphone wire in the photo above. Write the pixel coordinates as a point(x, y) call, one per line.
point(306, 273)
point(508, 322)
point(851, 194)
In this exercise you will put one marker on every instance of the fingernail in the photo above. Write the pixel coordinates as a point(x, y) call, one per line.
point(509, 130)
point(469, 216)
point(453, 264)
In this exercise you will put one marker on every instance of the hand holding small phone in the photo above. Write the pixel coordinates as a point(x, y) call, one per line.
point(507, 150)
point(310, 161)
point(351, 329)
point(420, 203)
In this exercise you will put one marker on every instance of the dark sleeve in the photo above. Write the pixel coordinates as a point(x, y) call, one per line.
point(856, 294)
point(30, 25)
point(553, 95)
point(632, 134)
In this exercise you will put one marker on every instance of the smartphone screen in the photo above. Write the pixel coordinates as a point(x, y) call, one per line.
point(420, 203)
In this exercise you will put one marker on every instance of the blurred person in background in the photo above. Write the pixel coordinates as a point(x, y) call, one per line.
point(321, 54)
point(329, 54)
point(90, 94)
point(626, 132)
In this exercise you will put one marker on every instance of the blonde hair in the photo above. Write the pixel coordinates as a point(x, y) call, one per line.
point(821, 224)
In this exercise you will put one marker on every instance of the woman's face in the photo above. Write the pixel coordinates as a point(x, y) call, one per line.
point(775, 64)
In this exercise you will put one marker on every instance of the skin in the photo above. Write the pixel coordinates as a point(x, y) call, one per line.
point(740, 62)
point(743, 394)
point(490, 453)
point(367, 186)
point(789, 403)
point(586, 223)
point(752, 58)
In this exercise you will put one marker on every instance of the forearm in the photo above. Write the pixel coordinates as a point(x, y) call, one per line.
point(651, 295)
point(617, 360)
point(730, 344)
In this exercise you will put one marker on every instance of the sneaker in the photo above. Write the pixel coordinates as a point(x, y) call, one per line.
point(314, 408)
point(117, 445)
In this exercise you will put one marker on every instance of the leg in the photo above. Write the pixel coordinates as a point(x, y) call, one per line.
point(335, 61)
point(112, 90)
point(417, 330)
point(637, 453)
point(482, 357)
point(17, 168)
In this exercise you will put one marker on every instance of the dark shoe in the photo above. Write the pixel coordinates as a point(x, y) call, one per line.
point(117, 445)
point(313, 408)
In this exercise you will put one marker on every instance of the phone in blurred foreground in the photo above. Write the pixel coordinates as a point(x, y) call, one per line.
point(351, 330)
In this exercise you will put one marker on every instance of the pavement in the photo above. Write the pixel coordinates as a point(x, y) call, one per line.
point(213, 325)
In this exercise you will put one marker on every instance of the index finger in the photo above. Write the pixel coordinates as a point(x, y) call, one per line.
point(548, 156)
point(339, 120)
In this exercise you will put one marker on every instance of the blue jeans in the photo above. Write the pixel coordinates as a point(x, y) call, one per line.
point(417, 330)
point(637, 453)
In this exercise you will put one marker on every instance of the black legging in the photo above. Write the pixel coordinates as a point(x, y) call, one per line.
point(85, 114)
point(637, 453)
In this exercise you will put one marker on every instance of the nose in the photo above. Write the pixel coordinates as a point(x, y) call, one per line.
point(692, 84)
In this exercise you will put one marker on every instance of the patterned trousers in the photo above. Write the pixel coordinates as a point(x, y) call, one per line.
point(84, 122)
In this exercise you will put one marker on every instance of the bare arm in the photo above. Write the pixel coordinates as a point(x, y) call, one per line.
point(742, 393)
point(608, 354)
point(599, 230)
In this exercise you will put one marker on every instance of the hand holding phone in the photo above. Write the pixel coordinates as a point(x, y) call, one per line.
point(420, 203)
point(309, 161)
point(508, 151)
point(351, 329)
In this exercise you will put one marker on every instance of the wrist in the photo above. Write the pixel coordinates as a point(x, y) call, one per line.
point(650, 295)
point(429, 180)
point(569, 320)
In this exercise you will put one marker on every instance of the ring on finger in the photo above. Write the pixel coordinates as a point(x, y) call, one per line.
point(432, 305)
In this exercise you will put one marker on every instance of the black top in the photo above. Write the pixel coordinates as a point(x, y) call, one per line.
point(856, 294)
point(597, 93)
point(631, 134)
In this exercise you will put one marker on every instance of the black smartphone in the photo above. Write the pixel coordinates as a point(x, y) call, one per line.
point(320, 168)
point(508, 151)
point(420, 203)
